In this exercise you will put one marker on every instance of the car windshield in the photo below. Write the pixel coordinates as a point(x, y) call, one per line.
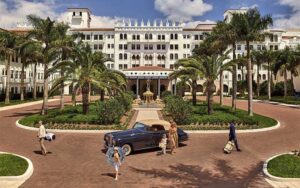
point(139, 126)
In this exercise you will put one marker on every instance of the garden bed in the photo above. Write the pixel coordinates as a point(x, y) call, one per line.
point(285, 166)
point(220, 119)
point(71, 118)
point(11, 165)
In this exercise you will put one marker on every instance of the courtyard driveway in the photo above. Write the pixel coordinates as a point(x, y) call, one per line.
point(77, 160)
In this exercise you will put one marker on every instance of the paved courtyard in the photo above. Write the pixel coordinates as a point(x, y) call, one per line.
point(77, 160)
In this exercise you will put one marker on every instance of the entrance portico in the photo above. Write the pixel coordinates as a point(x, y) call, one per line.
point(157, 76)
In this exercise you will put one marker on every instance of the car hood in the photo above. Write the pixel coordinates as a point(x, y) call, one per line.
point(124, 133)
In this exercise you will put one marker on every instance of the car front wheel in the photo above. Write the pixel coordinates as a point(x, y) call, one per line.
point(126, 149)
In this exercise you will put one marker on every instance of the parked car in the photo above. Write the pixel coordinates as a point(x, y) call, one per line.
point(145, 134)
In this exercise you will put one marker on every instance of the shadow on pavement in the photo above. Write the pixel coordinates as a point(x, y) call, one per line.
point(223, 175)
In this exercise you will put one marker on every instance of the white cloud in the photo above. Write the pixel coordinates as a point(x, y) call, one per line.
point(182, 10)
point(193, 24)
point(249, 7)
point(293, 20)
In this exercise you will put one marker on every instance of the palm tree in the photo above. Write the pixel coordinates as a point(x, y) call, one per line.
point(251, 26)
point(45, 33)
point(225, 34)
point(285, 60)
point(188, 74)
point(269, 58)
point(8, 43)
point(258, 57)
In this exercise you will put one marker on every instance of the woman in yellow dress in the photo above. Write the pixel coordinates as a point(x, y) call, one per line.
point(173, 136)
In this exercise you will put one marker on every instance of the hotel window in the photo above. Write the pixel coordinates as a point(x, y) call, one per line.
point(184, 46)
point(264, 77)
point(108, 46)
point(175, 36)
point(120, 56)
point(120, 47)
point(276, 47)
point(150, 36)
point(133, 37)
point(150, 46)
point(133, 57)
point(171, 66)
point(201, 37)
point(196, 37)
point(258, 47)
point(158, 37)
point(108, 36)
point(137, 37)
point(125, 66)
point(120, 66)
point(125, 36)
point(88, 37)
point(171, 56)
point(146, 47)
point(176, 56)
point(271, 47)
point(12, 74)
point(251, 47)
point(163, 57)
point(83, 37)
point(146, 36)
point(158, 47)
point(133, 46)
point(171, 46)
point(100, 46)
point(100, 37)
point(239, 47)
point(125, 46)
point(74, 14)
point(159, 57)
point(80, 13)
point(184, 55)
point(121, 36)
point(125, 56)
point(163, 46)
point(95, 46)
point(112, 56)
point(163, 37)
point(171, 36)
point(188, 36)
point(275, 38)
point(138, 46)
point(176, 46)
point(95, 37)
point(184, 36)
point(17, 74)
point(138, 57)
point(264, 47)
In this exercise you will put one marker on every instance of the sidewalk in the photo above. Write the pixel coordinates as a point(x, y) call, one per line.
point(279, 184)
point(24, 105)
point(147, 113)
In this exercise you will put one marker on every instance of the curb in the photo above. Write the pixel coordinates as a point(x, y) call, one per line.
point(190, 132)
point(275, 178)
point(65, 131)
point(23, 177)
point(237, 131)
point(278, 103)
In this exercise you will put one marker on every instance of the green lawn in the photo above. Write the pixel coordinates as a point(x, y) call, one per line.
point(15, 102)
point(288, 100)
point(71, 118)
point(222, 116)
point(286, 166)
point(11, 165)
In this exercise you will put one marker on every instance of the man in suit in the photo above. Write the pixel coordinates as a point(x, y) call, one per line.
point(41, 135)
point(232, 136)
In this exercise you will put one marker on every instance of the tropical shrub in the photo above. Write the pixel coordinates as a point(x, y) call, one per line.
point(179, 109)
point(279, 89)
point(165, 94)
point(125, 99)
point(109, 111)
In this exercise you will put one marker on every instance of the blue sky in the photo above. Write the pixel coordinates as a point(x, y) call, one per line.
point(285, 13)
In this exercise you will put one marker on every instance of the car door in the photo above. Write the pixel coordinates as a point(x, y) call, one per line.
point(157, 134)
point(142, 139)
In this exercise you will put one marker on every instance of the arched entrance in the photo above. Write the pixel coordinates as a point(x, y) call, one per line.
point(225, 88)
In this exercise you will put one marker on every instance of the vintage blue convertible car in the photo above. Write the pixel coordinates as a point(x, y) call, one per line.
point(145, 134)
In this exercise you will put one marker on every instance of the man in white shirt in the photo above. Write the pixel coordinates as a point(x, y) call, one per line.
point(41, 136)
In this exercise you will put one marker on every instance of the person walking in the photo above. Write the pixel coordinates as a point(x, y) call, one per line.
point(41, 135)
point(117, 161)
point(232, 136)
point(173, 136)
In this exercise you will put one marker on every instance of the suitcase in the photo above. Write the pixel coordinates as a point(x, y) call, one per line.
point(228, 147)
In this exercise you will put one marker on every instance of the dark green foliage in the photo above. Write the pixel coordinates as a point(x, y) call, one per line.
point(165, 94)
point(279, 89)
point(109, 111)
point(264, 88)
point(179, 109)
point(285, 166)
point(125, 99)
point(242, 86)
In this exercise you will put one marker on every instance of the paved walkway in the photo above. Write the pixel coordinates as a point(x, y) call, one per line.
point(147, 113)
point(24, 105)
point(277, 184)
point(199, 163)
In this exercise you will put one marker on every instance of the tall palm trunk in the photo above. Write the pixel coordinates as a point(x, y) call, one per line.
point(85, 98)
point(292, 82)
point(74, 91)
point(269, 81)
point(62, 88)
point(7, 90)
point(45, 94)
point(258, 81)
point(210, 92)
point(34, 81)
point(102, 93)
point(194, 92)
point(249, 80)
point(221, 88)
point(234, 80)
point(22, 89)
point(285, 83)
point(90, 89)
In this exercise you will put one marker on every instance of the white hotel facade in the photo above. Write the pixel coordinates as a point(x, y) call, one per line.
point(148, 50)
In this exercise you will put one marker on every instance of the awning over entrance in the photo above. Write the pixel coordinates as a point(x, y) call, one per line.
point(147, 73)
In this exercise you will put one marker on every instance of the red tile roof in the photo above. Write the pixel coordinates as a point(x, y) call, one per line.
point(148, 68)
